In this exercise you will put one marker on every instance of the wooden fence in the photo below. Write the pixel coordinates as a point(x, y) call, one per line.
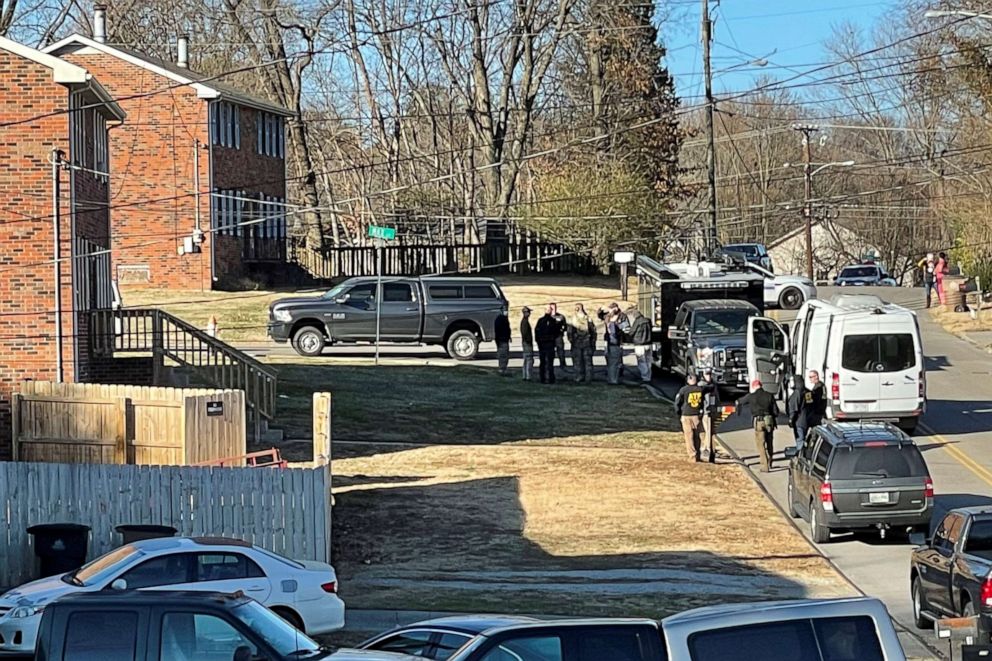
point(284, 510)
point(111, 424)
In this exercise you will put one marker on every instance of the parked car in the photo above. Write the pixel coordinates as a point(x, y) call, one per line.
point(439, 638)
point(168, 626)
point(712, 333)
point(455, 312)
point(950, 573)
point(859, 476)
point(864, 275)
point(788, 292)
point(755, 253)
point(869, 354)
point(855, 629)
point(303, 593)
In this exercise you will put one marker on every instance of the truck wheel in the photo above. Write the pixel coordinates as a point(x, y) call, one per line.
point(309, 341)
point(790, 299)
point(463, 345)
point(919, 605)
point(818, 532)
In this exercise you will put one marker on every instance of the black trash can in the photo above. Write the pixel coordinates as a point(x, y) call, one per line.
point(138, 532)
point(60, 547)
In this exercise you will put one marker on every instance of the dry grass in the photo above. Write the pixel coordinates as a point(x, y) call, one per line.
point(961, 322)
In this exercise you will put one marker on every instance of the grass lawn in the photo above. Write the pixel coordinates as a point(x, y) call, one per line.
point(960, 323)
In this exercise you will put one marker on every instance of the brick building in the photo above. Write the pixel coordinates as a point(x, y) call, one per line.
point(51, 111)
point(198, 154)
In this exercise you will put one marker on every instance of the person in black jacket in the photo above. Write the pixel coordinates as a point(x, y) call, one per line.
point(501, 333)
point(640, 337)
point(545, 334)
point(807, 406)
point(689, 406)
point(711, 406)
point(561, 328)
point(764, 411)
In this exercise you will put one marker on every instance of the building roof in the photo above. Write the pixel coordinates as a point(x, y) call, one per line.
point(64, 73)
point(206, 86)
point(802, 227)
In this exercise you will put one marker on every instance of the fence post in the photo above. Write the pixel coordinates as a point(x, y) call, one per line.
point(15, 420)
point(322, 455)
point(158, 362)
point(120, 438)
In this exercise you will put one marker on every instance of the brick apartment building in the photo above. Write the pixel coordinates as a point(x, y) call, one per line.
point(197, 154)
point(51, 109)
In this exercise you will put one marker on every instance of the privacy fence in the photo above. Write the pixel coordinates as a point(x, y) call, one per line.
point(284, 510)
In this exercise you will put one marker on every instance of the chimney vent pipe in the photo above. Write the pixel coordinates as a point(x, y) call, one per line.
point(182, 58)
point(100, 23)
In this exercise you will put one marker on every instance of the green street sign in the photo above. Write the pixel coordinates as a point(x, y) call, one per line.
point(385, 233)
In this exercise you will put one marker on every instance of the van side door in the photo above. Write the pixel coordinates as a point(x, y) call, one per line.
point(767, 352)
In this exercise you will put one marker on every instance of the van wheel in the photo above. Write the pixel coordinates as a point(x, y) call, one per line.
point(309, 341)
point(463, 345)
point(919, 605)
point(790, 299)
point(818, 532)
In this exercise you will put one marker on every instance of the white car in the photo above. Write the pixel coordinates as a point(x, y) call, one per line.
point(788, 292)
point(301, 592)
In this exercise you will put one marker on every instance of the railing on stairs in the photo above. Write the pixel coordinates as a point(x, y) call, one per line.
point(167, 336)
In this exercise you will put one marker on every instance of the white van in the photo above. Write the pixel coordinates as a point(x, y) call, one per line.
point(869, 354)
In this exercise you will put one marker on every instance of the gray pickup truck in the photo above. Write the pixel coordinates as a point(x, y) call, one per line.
point(455, 312)
point(950, 573)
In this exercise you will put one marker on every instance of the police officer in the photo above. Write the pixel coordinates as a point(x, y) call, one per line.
point(711, 405)
point(561, 329)
point(527, 343)
point(764, 411)
point(807, 406)
point(546, 332)
point(501, 333)
point(689, 406)
point(582, 339)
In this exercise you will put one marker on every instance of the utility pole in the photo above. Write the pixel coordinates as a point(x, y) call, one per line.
point(707, 37)
point(807, 130)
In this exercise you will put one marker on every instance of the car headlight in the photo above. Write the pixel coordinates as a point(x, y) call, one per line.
point(26, 611)
point(704, 357)
point(282, 315)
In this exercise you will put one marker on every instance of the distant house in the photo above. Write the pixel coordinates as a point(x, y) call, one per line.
point(54, 218)
point(835, 245)
point(199, 156)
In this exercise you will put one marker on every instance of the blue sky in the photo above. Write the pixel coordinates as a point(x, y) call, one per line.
point(750, 29)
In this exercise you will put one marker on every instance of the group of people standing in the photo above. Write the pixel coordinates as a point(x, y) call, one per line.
point(551, 330)
point(933, 271)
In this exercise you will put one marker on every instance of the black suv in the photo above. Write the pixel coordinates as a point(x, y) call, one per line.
point(858, 476)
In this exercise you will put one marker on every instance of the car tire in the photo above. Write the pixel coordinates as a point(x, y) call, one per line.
point(919, 605)
point(291, 617)
point(462, 345)
point(819, 533)
point(791, 299)
point(309, 341)
point(791, 495)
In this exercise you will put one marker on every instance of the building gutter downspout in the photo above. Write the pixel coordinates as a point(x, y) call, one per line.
point(57, 234)
point(210, 193)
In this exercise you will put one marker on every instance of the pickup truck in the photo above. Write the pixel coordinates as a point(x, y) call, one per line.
point(455, 312)
point(712, 333)
point(856, 629)
point(950, 574)
point(168, 626)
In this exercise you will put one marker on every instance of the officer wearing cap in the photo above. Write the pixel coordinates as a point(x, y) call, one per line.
point(764, 412)
point(711, 405)
point(527, 342)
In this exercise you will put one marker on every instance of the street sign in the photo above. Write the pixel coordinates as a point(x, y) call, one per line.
point(384, 233)
point(623, 257)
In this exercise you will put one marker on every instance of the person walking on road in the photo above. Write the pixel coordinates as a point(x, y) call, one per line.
point(807, 406)
point(928, 266)
point(613, 337)
point(764, 411)
point(939, 271)
point(527, 342)
point(640, 337)
point(689, 406)
point(582, 339)
point(501, 333)
point(546, 333)
point(561, 328)
point(711, 406)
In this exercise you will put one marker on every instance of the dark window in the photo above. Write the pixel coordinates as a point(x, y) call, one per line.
point(748, 249)
point(859, 272)
point(479, 291)
point(532, 648)
point(447, 644)
point(103, 636)
point(361, 297)
point(979, 537)
point(940, 540)
point(225, 567)
point(879, 353)
point(396, 292)
point(414, 643)
point(768, 336)
point(822, 455)
point(163, 570)
point(612, 644)
point(823, 639)
point(877, 461)
point(445, 291)
point(199, 637)
point(954, 533)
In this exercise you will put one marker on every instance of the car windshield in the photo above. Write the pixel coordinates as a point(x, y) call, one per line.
point(877, 461)
point(281, 636)
point(746, 248)
point(720, 322)
point(859, 272)
point(335, 292)
point(103, 567)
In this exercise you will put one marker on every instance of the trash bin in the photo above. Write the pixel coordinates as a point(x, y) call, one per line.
point(138, 532)
point(954, 297)
point(60, 547)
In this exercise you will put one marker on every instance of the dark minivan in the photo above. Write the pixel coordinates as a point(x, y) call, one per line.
point(858, 476)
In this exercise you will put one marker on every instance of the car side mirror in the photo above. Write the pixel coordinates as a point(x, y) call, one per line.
point(918, 539)
point(677, 334)
point(119, 584)
point(791, 452)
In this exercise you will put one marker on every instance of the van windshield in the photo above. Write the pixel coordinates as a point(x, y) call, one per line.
point(893, 352)
point(866, 461)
